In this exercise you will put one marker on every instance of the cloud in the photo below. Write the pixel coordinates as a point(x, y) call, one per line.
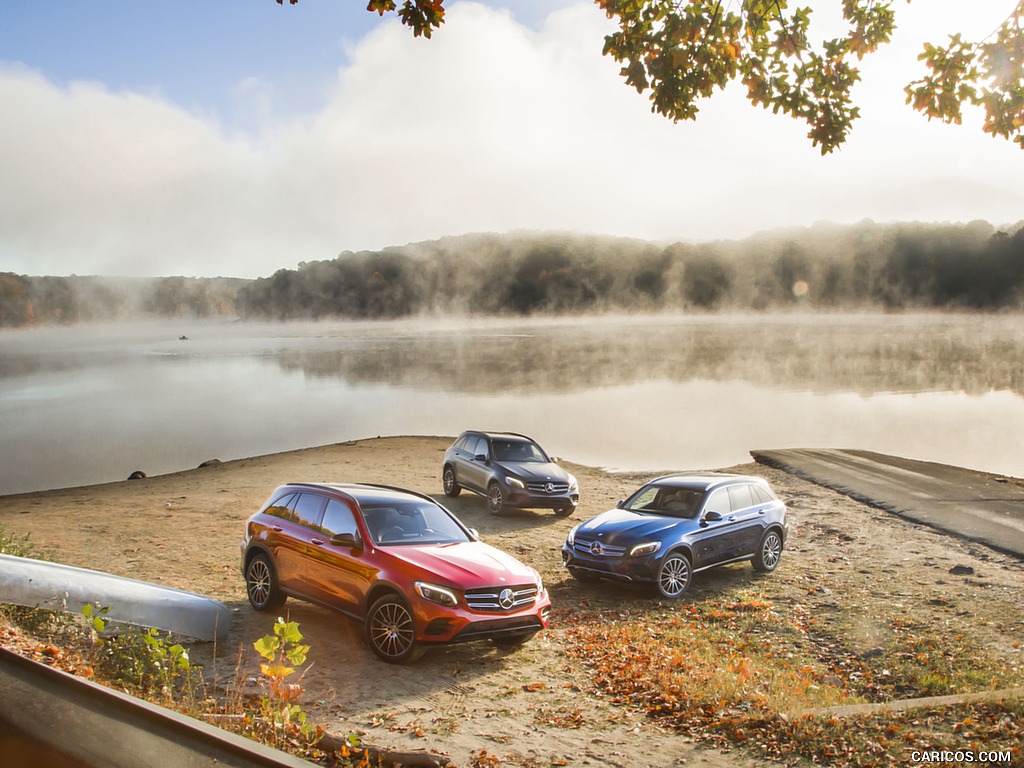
point(101, 182)
point(489, 126)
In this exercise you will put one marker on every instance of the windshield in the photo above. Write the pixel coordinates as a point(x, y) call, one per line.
point(518, 451)
point(667, 500)
point(411, 522)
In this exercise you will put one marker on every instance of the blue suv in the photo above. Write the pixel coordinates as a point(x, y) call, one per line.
point(678, 525)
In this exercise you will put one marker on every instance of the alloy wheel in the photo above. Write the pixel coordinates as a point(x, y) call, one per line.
point(674, 576)
point(391, 630)
point(495, 499)
point(771, 551)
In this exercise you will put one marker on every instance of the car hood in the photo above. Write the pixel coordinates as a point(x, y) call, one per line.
point(467, 565)
point(532, 471)
point(620, 526)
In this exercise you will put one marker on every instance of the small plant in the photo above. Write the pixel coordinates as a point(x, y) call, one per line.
point(94, 616)
point(143, 661)
point(18, 546)
point(283, 651)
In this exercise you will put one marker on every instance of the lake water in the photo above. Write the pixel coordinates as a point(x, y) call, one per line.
point(90, 404)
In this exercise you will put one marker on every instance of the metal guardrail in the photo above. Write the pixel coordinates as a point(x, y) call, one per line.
point(55, 586)
point(103, 728)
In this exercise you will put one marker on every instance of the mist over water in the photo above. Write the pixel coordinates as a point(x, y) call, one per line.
point(91, 403)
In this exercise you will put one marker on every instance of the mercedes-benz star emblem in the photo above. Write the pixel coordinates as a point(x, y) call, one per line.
point(595, 548)
point(506, 599)
point(550, 487)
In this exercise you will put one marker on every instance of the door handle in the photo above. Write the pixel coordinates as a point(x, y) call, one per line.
point(318, 542)
point(276, 528)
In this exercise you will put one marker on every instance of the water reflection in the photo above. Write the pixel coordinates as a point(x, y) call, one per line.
point(864, 354)
point(91, 404)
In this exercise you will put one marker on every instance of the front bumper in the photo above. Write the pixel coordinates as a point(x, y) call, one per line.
point(516, 497)
point(438, 624)
point(631, 569)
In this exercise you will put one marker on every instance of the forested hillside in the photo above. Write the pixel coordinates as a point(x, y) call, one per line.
point(860, 267)
point(866, 266)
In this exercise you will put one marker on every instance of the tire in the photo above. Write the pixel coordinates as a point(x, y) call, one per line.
point(451, 486)
point(565, 510)
point(390, 630)
point(769, 552)
point(261, 584)
point(513, 641)
point(495, 499)
point(674, 575)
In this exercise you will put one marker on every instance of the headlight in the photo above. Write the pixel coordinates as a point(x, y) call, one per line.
point(436, 594)
point(573, 485)
point(540, 583)
point(647, 548)
point(515, 482)
point(571, 538)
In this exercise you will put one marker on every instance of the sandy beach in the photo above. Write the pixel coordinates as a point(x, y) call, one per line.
point(183, 530)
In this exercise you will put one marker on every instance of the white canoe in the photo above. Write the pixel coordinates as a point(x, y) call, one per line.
point(39, 584)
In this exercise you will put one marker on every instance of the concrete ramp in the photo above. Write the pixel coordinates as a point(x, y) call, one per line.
point(977, 506)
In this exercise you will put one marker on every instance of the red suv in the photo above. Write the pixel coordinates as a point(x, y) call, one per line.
point(396, 560)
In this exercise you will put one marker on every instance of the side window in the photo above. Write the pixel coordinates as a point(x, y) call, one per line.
point(463, 443)
point(281, 508)
point(761, 496)
point(338, 518)
point(718, 502)
point(739, 497)
point(480, 447)
point(307, 509)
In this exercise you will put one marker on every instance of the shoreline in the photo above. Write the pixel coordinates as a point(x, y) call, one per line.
point(844, 559)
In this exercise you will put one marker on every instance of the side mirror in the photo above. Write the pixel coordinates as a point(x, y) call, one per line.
point(620, 503)
point(554, 459)
point(480, 457)
point(475, 534)
point(346, 540)
point(712, 517)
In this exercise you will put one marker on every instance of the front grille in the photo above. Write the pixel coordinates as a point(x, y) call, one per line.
point(585, 548)
point(549, 489)
point(490, 598)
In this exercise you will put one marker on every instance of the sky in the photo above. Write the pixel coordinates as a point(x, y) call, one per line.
point(236, 138)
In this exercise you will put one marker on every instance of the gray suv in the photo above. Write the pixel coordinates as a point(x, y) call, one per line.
point(509, 470)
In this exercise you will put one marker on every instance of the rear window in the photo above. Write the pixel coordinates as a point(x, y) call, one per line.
point(307, 509)
point(739, 497)
point(301, 508)
point(280, 507)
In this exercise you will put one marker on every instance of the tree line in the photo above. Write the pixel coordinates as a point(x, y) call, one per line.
point(861, 267)
point(826, 267)
point(47, 300)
